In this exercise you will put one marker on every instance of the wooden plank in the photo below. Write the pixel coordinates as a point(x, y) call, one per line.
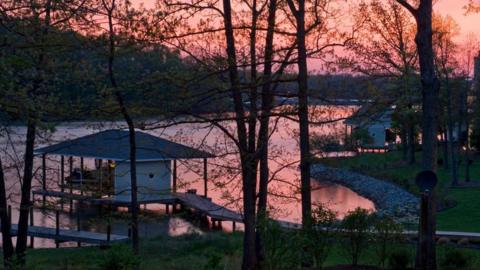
point(71, 235)
point(63, 195)
point(208, 207)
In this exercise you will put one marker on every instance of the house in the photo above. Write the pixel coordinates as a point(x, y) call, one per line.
point(375, 123)
point(156, 160)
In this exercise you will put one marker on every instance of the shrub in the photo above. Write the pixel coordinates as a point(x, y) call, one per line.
point(387, 234)
point(282, 248)
point(356, 226)
point(119, 257)
point(399, 260)
point(318, 240)
point(456, 260)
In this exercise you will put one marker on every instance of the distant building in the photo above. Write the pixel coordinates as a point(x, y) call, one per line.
point(371, 128)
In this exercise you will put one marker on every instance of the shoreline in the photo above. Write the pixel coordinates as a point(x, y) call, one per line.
point(388, 198)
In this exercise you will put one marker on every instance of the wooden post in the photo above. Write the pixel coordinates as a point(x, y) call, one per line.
point(109, 231)
point(9, 213)
point(167, 209)
point(205, 183)
point(81, 175)
point(57, 227)
point(62, 172)
point(174, 176)
point(100, 163)
point(70, 161)
point(62, 178)
point(44, 178)
point(233, 226)
point(79, 244)
point(31, 224)
point(426, 255)
point(71, 186)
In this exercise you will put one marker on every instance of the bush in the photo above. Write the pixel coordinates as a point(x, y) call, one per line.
point(282, 248)
point(119, 257)
point(318, 241)
point(399, 260)
point(387, 234)
point(456, 260)
point(356, 226)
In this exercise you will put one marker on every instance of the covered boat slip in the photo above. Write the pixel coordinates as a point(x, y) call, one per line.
point(109, 182)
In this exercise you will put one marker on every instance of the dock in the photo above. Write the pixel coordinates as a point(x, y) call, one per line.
point(193, 201)
point(64, 235)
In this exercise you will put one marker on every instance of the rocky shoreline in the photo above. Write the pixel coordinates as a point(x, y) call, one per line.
point(389, 199)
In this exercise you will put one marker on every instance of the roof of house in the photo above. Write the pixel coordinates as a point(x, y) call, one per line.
point(370, 115)
point(114, 145)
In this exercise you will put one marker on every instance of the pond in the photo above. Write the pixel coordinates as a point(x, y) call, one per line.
point(224, 186)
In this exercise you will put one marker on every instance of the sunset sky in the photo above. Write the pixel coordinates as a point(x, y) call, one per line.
point(468, 23)
point(454, 8)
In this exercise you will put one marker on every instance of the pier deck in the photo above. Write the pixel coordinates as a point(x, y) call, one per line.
point(190, 200)
point(65, 235)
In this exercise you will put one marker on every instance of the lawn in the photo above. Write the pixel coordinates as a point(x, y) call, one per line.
point(211, 251)
point(464, 216)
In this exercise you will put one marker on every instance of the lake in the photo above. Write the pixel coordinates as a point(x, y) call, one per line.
point(224, 182)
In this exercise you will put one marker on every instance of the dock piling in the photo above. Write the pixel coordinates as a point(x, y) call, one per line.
point(62, 178)
point(57, 227)
point(44, 178)
point(31, 224)
point(109, 231)
point(79, 244)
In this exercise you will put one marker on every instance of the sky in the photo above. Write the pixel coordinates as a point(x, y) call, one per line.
point(454, 8)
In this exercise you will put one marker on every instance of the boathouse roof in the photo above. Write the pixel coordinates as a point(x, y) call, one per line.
point(114, 145)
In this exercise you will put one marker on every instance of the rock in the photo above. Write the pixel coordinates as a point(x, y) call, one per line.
point(389, 199)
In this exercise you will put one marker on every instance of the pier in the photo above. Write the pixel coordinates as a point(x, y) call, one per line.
point(65, 235)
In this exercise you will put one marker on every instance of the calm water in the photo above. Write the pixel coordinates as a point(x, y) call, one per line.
point(224, 184)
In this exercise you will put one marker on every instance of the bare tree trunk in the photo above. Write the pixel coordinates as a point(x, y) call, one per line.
point(451, 144)
point(248, 161)
point(403, 137)
point(445, 148)
point(411, 143)
point(430, 100)
point(305, 188)
point(7, 247)
point(134, 209)
point(263, 136)
point(467, 137)
point(25, 203)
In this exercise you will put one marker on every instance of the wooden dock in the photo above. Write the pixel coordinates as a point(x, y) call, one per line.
point(190, 200)
point(207, 207)
point(62, 195)
point(63, 235)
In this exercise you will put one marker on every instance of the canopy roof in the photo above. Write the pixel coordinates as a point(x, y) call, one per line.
point(114, 145)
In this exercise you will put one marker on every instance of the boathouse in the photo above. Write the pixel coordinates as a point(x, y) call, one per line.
point(156, 163)
point(376, 122)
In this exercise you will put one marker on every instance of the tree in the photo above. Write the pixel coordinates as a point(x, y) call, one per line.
point(385, 49)
point(445, 29)
point(298, 12)
point(426, 254)
point(111, 9)
point(35, 35)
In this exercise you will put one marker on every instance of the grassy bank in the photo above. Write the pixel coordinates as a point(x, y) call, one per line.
point(464, 216)
point(210, 251)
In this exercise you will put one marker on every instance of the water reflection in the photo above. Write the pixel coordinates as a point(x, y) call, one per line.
point(224, 183)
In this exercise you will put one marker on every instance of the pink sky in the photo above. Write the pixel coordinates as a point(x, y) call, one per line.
point(454, 8)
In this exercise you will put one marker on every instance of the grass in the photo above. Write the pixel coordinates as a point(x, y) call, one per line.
point(211, 251)
point(464, 216)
